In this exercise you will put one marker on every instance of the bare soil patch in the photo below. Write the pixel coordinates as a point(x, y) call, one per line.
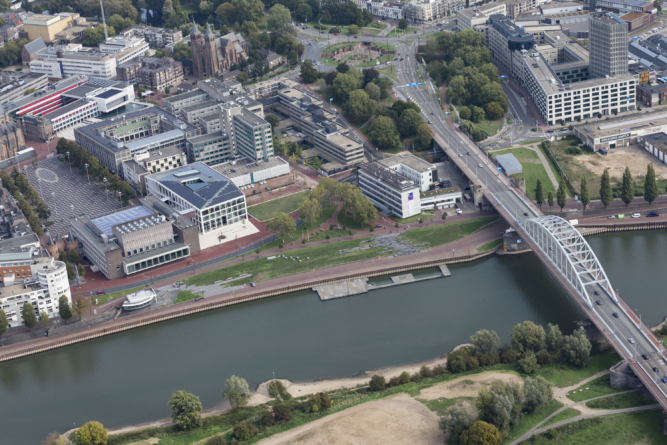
point(619, 158)
point(399, 420)
point(151, 441)
point(466, 386)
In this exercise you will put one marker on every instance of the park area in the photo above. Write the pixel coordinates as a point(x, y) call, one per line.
point(360, 57)
point(372, 29)
point(532, 170)
point(286, 204)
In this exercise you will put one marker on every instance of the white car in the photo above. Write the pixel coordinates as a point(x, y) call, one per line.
point(631, 340)
point(458, 211)
point(479, 165)
point(635, 215)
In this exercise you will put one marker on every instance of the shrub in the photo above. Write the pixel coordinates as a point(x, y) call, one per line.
point(488, 359)
point(404, 378)
point(663, 329)
point(415, 377)
point(303, 241)
point(394, 381)
point(472, 363)
point(421, 221)
point(509, 356)
point(277, 389)
point(268, 419)
point(396, 225)
point(377, 383)
point(544, 358)
point(280, 246)
point(216, 440)
point(281, 412)
point(371, 229)
point(327, 236)
point(528, 364)
point(425, 371)
point(244, 430)
point(444, 216)
point(438, 370)
point(456, 361)
point(319, 402)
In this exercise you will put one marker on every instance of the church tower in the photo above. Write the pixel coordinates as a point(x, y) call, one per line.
point(211, 63)
point(197, 47)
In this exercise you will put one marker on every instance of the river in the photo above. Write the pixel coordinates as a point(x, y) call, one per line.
point(128, 378)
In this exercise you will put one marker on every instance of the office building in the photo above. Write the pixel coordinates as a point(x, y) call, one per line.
point(174, 103)
point(269, 88)
point(151, 72)
point(621, 132)
point(245, 172)
point(143, 164)
point(254, 139)
point(405, 185)
point(16, 89)
point(608, 46)
point(621, 7)
point(137, 239)
point(213, 199)
point(117, 140)
point(471, 17)
point(47, 26)
point(42, 287)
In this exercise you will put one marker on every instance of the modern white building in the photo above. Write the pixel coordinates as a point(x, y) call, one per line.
point(213, 199)
point(43, 290)
point(405, 185)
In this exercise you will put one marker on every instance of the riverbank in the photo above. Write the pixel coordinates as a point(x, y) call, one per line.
point(375, 267)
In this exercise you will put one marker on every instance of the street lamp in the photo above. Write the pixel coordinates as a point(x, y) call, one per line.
point(120, 198)
point(69, 162)
point(39, 181)
point(55, 207)
point(86, 166)
point(106, 188)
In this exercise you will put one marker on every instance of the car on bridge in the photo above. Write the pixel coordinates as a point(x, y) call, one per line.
point(635, 215)
point(652, 214)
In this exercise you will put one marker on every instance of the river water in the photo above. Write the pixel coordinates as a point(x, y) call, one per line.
point(128, 378)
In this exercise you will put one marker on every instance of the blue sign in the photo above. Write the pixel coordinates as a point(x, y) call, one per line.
point(503, 77)
point(518, 241)
point(446, 113)
point(500, 169)
point(331, 100)
point(410, 196)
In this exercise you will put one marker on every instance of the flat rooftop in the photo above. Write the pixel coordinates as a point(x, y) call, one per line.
point(182, 96)
point(207, 138)
point(246, 166)
point(250, 119)
point(155, 139)
point(608, 18)
point(163, 153)
point(625, 124)
point(411, 161)
point(198, 106)
point(388, 176)
point(104, 223)
point(81, 91)
point(66, 109)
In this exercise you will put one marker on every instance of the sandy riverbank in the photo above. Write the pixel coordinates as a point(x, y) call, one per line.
point(261, 394)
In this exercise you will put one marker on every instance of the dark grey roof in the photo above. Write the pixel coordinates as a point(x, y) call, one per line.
point(35, 46)
point(195, 30)
point(212, 188)
point(66, 109)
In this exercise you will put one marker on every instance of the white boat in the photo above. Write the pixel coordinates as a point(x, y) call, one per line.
point(139, 300)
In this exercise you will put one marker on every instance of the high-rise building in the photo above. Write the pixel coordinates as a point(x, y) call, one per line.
point(608, 45)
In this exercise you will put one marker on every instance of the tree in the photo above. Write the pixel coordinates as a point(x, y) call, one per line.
point(308, 71)
point(282, 225)
point(583, 193)
point(553, 338)
point(4, 323)
point(226, 11)
point(425, 135)
point(55, 439)
point(576, 348)
point(500, 405)
point(537, 393)
point(561, 197)
point(550, 199)
point(402, 24)
point(81, 270)
point(310, 211)
point(527, 337)
point(606, 195)
point(72, 256)
point(528, 364)
point(494, 110)
point(383, 133)
point(650, 185)
point(377, 383)
point(478, 114)
point(43, 318)
point(408, 123)
point(248, 10)
point(354, 29)
point(481, 433)
point(92, 433)
point(185, 410)
point(372, 90)
point(242, 77)
point(539, 194)
point(359, 107)
point(182, 51)
point(485, 342)
point(279, 18)
point(79, 305)
point(343, 68)
point(273, 120)
point(237, 391)
point(628, 187)
point(248, 29)
point(28, 314)
point(465, 113)
point(64, 308)
point(455, 422)
point(244, 430)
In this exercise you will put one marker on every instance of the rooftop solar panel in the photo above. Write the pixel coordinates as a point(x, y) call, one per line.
point(106, 222)
point(108, 93)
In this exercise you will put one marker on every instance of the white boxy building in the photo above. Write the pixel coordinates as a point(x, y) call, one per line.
point(43, 290)
point(405, 185)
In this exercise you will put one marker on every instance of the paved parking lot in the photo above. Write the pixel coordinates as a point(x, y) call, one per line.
point(68, 194)
point(449, 170)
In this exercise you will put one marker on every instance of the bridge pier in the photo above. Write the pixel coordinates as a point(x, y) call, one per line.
point(623, 376)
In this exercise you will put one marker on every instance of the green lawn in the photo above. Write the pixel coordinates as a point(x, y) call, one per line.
point(186, 295)
point(445, 233)
point(520, 152)
point(441, 406)
point(327, 212)
point(413, 219)
point(598, 387)
point(389, 72)
point(567, 413)
point(491, 127)
point(489, 246)
point(530, 420)
point(645, 427)
point(620, 401)
point(287, 204)
point(530, 142)
point(338, 46)
point(99, 300)
point(263, 269)
point(563, 375)
point(401, 33)
point(531, 173)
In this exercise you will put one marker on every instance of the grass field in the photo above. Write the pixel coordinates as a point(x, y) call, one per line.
point(186, 295)
point(563, 375)
point(401, 33)
point(389, 72)
point(441, 406)
point(645, 428)
point(287, 204)
point(530, 420)
point(563, 415)
point(105, 298)
point(489, 246)
point(530, 142)
point(620, 401)
point(327, 212)
point(445, 233)
point(413, 219)
point(491, 127)
point(532, 171)
point(598, 387)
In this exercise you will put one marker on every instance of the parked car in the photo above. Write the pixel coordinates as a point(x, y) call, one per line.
point(356, 37)
point(615, 314)
point(100, 292)
point(252, 284)
point(652, 214)
point(596, 292)
point(459, 211)
point(377, 226)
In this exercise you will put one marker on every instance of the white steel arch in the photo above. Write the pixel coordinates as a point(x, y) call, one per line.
point(570, 253)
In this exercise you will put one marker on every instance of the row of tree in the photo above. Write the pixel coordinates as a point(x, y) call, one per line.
point(30, 317)
point(17, 185)
point(79, 157)
point(627, 189)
